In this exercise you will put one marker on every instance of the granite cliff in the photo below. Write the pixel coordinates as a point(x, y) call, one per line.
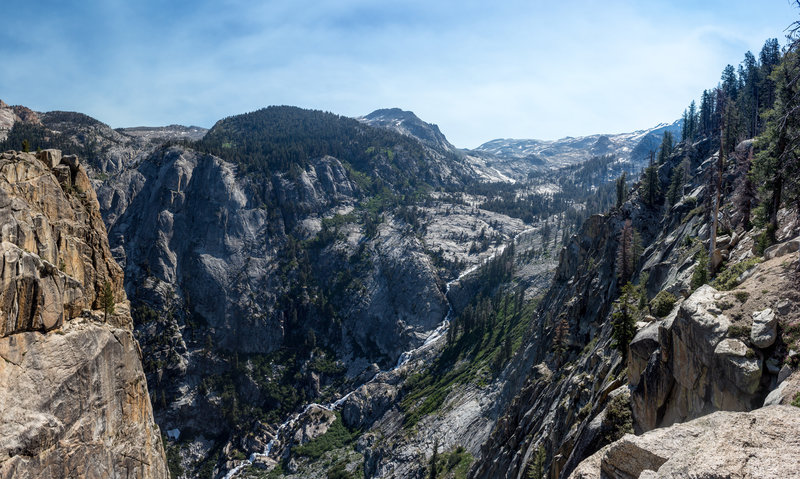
point(74, 400)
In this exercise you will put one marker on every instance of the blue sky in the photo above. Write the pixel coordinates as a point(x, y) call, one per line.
point(480, 70)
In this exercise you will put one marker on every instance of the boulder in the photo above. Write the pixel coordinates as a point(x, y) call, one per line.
point(314, 422)
point(693, 369)
point(642, 346)
point(697, 329)
point(765, 328)
point(51, 158)
point(741, 370)
point(367, 404)
point(760, 443)
point(63, 175)
point(71, 161)
point(782, 249)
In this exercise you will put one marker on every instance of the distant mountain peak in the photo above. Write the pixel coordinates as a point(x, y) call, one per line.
point(569, 150)
point(409, 124)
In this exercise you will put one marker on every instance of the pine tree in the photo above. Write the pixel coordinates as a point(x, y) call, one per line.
point(700, 273)
point(107, 300)
point(707, 113)
point(625, 253)
point(561, 336)
point(750, 79)
point(690, 122)
point(651, 185)
point(667, 145)
point(623, 322)
point(730, 84)
point(434, 459)
point(536, 468)
point(675, 190)
point(744, 192)
point(769, 58)
point(723, 100)
point(622, 190)
point(776, 165)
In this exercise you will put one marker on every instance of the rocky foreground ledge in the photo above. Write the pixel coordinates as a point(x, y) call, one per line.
point(73, 396)
point(761, 443)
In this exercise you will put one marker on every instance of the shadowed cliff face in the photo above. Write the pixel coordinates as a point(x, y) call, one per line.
point(74, 400)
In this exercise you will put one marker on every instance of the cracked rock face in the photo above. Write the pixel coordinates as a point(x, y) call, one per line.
point(73, 396)
point(684, 366)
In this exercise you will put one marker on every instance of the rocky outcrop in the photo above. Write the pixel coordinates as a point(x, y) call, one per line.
point(54, 244)
point(760, 443)
point(74, 400)
point(368, 403)
point(765, 328)
point(314, 422)
point(782, 249)
point(686, 367)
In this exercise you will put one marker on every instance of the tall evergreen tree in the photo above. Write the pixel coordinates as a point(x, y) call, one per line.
point(776, 166)
point(750, 79)
point(622, 190)
point(625, 253)
point(730, 83)
point(744, 192)
point(769, 58)
point(707, 114)
point(623, 321)
point(650, 185)
point(107, 300)
point(677, 179)
point(536, 468)
point(667, 145)
point(690, 120)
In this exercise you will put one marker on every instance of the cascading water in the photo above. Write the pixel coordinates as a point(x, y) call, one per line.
point(435, 335)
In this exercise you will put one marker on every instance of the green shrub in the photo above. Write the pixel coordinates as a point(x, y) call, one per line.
point(727, 279)
point(453, 464)
point(796, 400)
point(741, 332)
point(618, 420)
point(765, 240)
point(724, 304)
point(335, 437)
point(700, 274)
point(662, 304)
point(742, 296)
